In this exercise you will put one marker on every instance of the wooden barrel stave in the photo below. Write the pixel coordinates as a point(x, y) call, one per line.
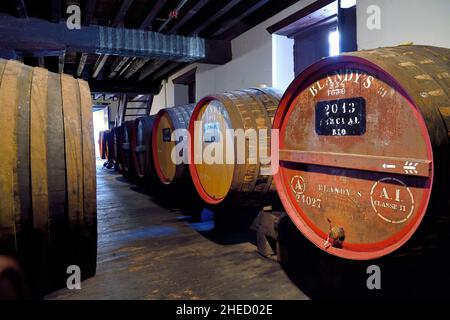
point(110, 147)
point(141, 144)
point(89, 235)
point(58, 224)
point(126, 159)
point(105, 144)
point(115, 147)
point(9, 155)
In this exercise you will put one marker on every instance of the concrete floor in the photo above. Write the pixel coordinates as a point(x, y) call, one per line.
point(148, 252)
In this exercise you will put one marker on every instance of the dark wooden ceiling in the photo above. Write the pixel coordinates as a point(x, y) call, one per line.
point(209, 19)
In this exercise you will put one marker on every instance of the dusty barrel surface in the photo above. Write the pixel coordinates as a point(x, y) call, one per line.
point(47, 177)
point(126, 157)
point(109, 146)
point(141, 145)
point(364, 149)
point(102, 143)
point(115, 147)
point(105, 144)
point(169, 134)
point(241, 179)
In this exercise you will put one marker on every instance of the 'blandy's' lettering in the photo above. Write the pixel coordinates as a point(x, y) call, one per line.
point(338, 80)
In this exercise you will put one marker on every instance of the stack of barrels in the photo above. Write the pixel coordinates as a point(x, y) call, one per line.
point(361, 142)
point(160, 146)
point(143, 151)
point(48, 216)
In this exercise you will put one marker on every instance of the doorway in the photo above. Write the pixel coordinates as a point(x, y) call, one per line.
point(101, 120)
point(184, 88)
point(324, 28)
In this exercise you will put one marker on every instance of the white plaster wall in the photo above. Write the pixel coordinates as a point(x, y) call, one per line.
point(160, 100)
point(425, 22)
point(282, 61)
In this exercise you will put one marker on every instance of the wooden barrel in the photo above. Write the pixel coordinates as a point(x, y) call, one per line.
point(109, 147)
point(364, 149)
point(164, 142)
point(47, 177)
point(141, 146)
point(114, 147)
point(242, 180)
point(103, 143)
point(126, 157)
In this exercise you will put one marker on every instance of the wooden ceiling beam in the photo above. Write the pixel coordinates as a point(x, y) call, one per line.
point(120, 86)
point(81, 62)
point(135, 67)
point(214, 17)
point(88, 12)
point(150, 68)
point(61, 60)
point(139, 63)
point(169, 68)
point(197, 7)
point(118, 20)
point(43, 37)
point(99, 64)
point(152, 14)
point(120, 15)
point(144, 25)
point(56, 11)
point(117, 66)
point(232, 22)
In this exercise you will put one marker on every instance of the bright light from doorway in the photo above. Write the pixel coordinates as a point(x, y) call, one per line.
point(345, 4)
point(100, 118)
point(333, 40)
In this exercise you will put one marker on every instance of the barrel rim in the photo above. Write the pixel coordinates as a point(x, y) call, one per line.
point(300, 83)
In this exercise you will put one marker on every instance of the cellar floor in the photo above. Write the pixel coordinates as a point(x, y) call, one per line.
point(149, 252)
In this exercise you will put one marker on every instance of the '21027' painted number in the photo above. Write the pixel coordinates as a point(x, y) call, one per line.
point(310, 201)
